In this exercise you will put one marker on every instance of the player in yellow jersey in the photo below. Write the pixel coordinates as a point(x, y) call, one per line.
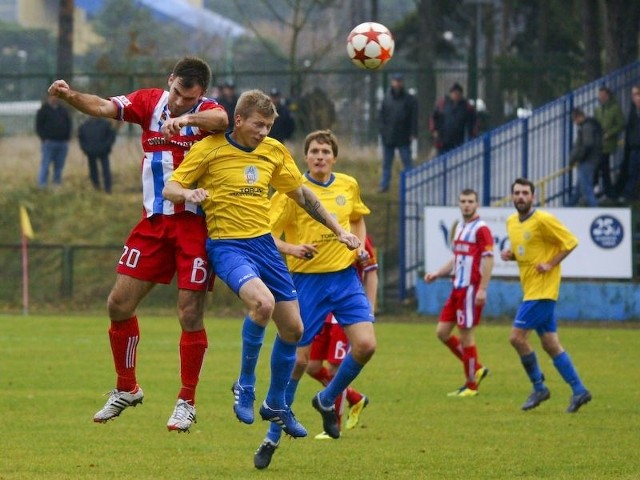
point(325, 278)
point(539, 242)
point(229, 175)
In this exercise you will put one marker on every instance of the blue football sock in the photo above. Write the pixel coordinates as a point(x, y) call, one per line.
point(531, 366)
point(252, 338)
point(283, 359)
point(275, 431)
point(349, 369)
point(564, 365)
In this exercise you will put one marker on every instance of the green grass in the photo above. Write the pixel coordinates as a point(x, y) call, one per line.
point(54, 369)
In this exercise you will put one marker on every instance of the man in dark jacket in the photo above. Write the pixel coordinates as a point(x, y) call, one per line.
point(453, 121)
point(585, 154)
point(630, 168)
point(611, 119)
point(228, 99)
point(96, 136)
point(398, 125)
point(284, 124)
point(53, 126)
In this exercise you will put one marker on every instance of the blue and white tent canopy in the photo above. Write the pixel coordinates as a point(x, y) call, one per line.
point(183, 13)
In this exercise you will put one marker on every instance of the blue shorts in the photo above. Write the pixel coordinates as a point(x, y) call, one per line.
point(237, 261)
point(538, 315)
point(340, 293)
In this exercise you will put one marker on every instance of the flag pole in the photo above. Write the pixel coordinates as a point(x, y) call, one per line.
point(26, 232)
point(25, 276)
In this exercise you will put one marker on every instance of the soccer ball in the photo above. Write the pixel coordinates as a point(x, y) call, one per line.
point(370, 45)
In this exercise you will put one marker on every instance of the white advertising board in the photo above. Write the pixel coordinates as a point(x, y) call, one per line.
point(604, 235)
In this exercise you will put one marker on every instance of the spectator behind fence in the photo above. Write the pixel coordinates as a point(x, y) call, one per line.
point(53, 126)
point(228, 99)
point(283, 125)
point(585, 155)
point(398, 126)
point(609, 115)
point(97, 136)
point(630, 169)
point(453, 120)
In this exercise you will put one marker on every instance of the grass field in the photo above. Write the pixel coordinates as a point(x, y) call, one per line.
point(54, 370)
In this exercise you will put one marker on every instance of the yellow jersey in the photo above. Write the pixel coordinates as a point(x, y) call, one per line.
point(341, 197)
point(238, 181)
point(535, 240)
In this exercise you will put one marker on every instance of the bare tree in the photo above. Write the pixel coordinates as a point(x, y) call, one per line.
point(65, 39)
point(427, 14)
point(591, 35)
point(623, 23)
point(295, 18)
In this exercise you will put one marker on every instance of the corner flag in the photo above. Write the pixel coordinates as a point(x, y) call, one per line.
point(25, 223)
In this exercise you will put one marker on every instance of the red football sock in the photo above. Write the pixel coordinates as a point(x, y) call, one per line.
point(124, 337)
point(323, 376)
point(193, 348)
point(353, 396)
point(454, 345)
point(470, 360)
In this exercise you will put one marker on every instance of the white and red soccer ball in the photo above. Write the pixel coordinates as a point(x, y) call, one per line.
point(370, 45)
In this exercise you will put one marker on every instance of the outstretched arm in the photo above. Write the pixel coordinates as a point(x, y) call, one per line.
point(85, 102)
point(308, 200)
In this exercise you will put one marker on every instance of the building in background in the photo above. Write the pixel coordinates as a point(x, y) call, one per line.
point(189, 14)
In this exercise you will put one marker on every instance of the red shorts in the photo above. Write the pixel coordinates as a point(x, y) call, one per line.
point(161, 245)
point(461, 308)
point(331, 344)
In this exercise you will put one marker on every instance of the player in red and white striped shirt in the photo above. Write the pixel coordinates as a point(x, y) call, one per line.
point(170, 239)
point(471, 265)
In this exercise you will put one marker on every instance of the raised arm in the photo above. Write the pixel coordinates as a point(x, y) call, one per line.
point(84, 102)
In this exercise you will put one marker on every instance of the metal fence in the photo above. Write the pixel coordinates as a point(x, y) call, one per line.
point(346, 98)
point(534, 147)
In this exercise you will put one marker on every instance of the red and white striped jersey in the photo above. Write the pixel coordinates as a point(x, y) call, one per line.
point(472, 241)
point(149, 109)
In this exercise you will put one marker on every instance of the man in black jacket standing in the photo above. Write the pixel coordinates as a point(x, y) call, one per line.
point(629, 176)
point(96, 136)
point(284, 125)
point(585, 155)
point(53, 126)
point(453, 121)
point(398, 125)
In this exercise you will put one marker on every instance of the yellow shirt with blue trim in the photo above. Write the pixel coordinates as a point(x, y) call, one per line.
point(536, 240)
point(238, 181)
point(340, 196)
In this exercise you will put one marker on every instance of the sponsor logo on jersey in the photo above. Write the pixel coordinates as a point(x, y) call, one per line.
point(251, 174)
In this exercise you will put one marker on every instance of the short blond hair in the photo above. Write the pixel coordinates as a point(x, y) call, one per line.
point(255, 101)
